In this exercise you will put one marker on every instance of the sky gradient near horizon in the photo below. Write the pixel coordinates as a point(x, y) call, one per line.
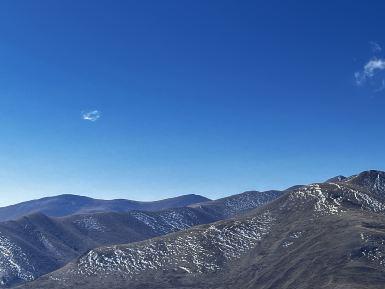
point(152, 99)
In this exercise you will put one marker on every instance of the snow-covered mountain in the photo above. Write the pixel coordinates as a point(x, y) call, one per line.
point(37, 244)
point(327, 235)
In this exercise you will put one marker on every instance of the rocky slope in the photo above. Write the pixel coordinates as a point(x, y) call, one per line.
point(38, 244)
point(328, 235)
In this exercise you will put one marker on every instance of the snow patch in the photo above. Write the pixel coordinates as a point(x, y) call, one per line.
point(90, 223)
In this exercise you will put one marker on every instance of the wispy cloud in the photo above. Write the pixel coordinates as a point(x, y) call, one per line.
point(372, 72)
point(370, 69)
point(92, 115)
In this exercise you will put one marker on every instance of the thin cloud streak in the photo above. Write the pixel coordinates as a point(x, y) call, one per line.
point(92, 115)
point(375, 46)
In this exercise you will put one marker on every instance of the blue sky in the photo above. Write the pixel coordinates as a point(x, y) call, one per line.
point(152, 99)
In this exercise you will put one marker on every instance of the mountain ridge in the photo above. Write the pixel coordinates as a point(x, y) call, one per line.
point(68, 204)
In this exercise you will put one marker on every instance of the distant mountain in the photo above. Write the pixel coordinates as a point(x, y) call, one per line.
point(329, 235)
point(65, 205)
point(37, 244)
point(336, 179)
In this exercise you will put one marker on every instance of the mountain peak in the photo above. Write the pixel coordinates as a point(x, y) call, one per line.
point(372, 180)
point(335, 179)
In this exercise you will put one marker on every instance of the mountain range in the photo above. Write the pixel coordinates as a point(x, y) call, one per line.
point(37, 244)
point(325, 235)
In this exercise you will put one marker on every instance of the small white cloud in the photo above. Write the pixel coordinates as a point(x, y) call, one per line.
point(375, 46)
point(373, 72)
point(92, 115)
point(370, 69)
point(373, 65)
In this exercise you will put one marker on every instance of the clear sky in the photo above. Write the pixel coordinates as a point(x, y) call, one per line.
point(152, 99)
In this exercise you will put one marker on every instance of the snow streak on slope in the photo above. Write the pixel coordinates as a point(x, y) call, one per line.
point(373, 181)
point(327, 199)
point(13, 262)
point(168, 221)
point(195, 251)
point(248, 200)
point(323, 202)
point(90, 223)
point(48, 245)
